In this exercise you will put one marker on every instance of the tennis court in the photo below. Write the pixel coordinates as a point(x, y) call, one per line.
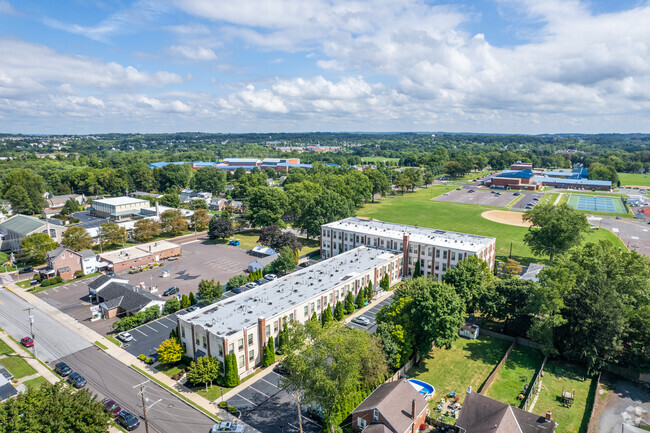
point(597, 204)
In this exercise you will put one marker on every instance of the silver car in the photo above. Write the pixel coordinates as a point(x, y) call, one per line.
point(125, 336)
point(361, 320)
point(228, 427)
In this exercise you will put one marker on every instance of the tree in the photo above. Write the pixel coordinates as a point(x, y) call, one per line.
point(361, 299)
point(24, 189)
point(173, 222)
point(200, 219)
point(368, 292)
point(326, 207)
point(385, 283)
point(554, 229)
point(209, 291)
point(39, 409)
point(266, 206)
point(454, 169)
point(71, 206)
point(210, 179)
point(417, 272)
point(285, 262)
point(335, 371)
point(507, 299)
point(428, 178)
point(171, 200)
point(269, 234)
point(379, 182)
point(185, 301)
point(170, 351)
point(314, 317)
point(512, 267)
point(349, 303)
point(173, 176)
point(231, 374)
point(76, 238)
point(327, 316)
point(339, 314)
point(172, 305)
point(269, 353)
point(192, 298)
point(470, 277)
point(205, 370)
point(35, 247)
point(145, 229)
point(220, 227)
point(111, 234)
point(272, 236)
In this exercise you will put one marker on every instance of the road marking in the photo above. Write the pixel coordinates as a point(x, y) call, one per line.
point(171, 320)
point(190, 242)
point(141, 332)
point(153, 329)
point(244, 398)
point(272, 384)
point(614, 229)
point(54, 288)
point(313, 422)
point(251, 387)
point(634, 237)
point(292, 426)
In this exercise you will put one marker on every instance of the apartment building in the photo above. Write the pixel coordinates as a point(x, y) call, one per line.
point(242, 324)
point(436, 250)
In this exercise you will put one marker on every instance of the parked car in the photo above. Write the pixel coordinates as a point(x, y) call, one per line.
point(282, 370)
point(26, 270)
point(33, 282)
point(516, 193)
point(27, 342)
point(227, 426)
point(192, 308)
point(62, 369)
point(237, 290)
point(536, 198)
point(270, 277)
point(128, 420)
point(76, 380)
point(528, 207)
point(111, 407)
point(261, 281)
point(170, 291)
point(234, 242)
point(361, 320)
point(251, 285)
point(125, 336)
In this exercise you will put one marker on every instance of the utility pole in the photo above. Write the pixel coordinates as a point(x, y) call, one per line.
point(299, 411)
point(31, 329)
point(143, 387)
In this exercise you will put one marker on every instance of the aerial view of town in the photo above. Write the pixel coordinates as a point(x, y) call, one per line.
point(325, 216)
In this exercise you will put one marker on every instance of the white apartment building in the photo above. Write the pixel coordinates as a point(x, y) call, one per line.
point(243, 323)
point(436, 250)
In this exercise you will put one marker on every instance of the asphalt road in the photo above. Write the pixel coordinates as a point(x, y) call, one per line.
point(52, 339)
point(634, 233)
point(110, 378)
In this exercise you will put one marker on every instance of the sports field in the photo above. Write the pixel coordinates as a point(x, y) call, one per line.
point(634, 179)
point(418, 209)
point(597, 204)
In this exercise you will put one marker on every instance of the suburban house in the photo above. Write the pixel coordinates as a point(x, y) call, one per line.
point(64, 263)
point(116, 297)
point(14, 229)
point(394, 407)
point(58, 201)
point(435, 250)
point(482, 414)
point(117, 208)
point(222, 204)
point(140, 255)
point(218, 204)
point(188, 195)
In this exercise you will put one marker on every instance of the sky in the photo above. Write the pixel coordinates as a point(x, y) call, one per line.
point(493, 66)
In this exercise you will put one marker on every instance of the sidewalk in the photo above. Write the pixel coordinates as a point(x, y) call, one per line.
point(41, 370)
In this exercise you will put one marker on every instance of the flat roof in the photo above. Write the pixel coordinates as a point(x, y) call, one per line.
point(137, 251)
point(424, 235)
point(117, 201)
point(573, 181)
point(278, 296)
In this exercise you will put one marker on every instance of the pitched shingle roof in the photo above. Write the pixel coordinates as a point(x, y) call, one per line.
point(56, 252)
point(87, 253)
point(126, 296)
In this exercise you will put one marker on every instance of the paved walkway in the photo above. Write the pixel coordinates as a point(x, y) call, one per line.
point(41, 370)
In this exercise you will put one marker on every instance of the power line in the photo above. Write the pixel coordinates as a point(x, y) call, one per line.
point(143, 388)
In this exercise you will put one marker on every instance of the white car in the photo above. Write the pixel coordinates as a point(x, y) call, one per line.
point(361, 320)
point(125, 336)
point(270, 277)
point(228, 427)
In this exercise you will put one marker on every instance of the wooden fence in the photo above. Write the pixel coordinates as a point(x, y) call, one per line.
point(402, 371)
point(533, 390)
point(594, 423)
point(493, 376)
point(520, 340)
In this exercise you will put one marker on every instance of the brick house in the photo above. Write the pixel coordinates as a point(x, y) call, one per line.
point(140, 255)
point(394, 407)
point(62, 262)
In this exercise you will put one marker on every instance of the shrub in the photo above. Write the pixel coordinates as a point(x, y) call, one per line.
point(38, 277)
point(223, 404)
point(232, 409)
point(148, 361)
point(141, 357)
point(45, 283)
point(79, 273)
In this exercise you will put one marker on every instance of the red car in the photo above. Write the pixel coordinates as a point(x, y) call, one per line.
point(27, 342)
point(111, 407)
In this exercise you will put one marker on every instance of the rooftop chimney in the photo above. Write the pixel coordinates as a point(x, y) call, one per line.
point(548, 416)
point(413, 404)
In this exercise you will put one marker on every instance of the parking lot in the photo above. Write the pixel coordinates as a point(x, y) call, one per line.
point(479, 196)
point(147, 337)
point(371, 315)
point(529, 197)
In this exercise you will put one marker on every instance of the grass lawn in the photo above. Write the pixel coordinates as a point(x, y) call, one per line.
point(549, 198)
point(559, 375)
point(5, 349)
point(4, 258)
point(417, 208)
point(17, 366)
point(36, 382)
point(634, 179)
point(114, 340)
point(214, 393)
point(471, 176)
point(170, 370)
point(100, 345)
point(248, 240)
point(519, 370)
point(468, 362)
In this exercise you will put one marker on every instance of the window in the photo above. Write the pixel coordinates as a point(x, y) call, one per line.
point(240, 361)
point(240, 344)
point(453, 255)
point(231, 347)
point(346, 237)
point(361, 423)
point(250, 339)
point(290, 316)
point(437, 254)
point(444, 254)
point(312, 307)
point(306, 310)
point(251, 355)
point(437, 266)
point(205, 342)
point(182, 332)
point(275, 326)
point(198, 341)
point(330, 299)
point(381, 243)
point(357, 238)
point(318, 304)
point(268, 330)
point(430, 251)
point(375, 414)
point(444, 267)
point(220, 350)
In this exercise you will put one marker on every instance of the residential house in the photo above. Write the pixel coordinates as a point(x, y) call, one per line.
point(218, 204)
point(394, 407)
point(14, 229)
point(482, 414)
point(58, 201)
point(7, 390)
point(117, 298)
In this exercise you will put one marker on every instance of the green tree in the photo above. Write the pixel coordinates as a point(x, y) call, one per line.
point(314, 317)
point(185, 301)
point(470, 277)
point(266, 206)
point(192, 298)
point(24, 189)
point(145, 229)
point(231, 373)
point(508, 300)
point(111, 234)
point(71, 206)
point(172, 305)
point(554, 229)
point(200, 219)
point(285, 262)
point(339, 314)
point(205, 370)
point(171, 200)
point(35, 247)
point(210, 179)
point(76, 238)
point(326, 207)
point(349, 303)
point(209, 291)
point(327, 316)
point(220, 227)
point(170, 351)
point(385, 283)
point(361, 299)
point(368, 293)
point(283, 340)
point(417, 272)
point(269, 353)
point(173, 222)
point(39, 409)
point(379, 182)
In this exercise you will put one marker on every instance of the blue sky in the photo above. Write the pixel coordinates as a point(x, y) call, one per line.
point(498, 66)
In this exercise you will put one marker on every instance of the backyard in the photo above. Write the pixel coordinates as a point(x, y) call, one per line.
point(518, 371)
point(417, 208)
point(468, 362)
point(562, 376)
point(17, 366)
point(248, 240)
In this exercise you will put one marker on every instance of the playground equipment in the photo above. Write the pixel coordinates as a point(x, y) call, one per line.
point(568, 397)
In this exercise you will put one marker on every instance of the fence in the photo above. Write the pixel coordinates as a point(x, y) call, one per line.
point(520, 340)
point(533, 388)
point(402, 371)
point(593, 422)
point(628, 373)
point(493, 376)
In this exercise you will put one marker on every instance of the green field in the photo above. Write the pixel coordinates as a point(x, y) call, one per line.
point(518, 371)
point(468, 362)
point(549, 198)
point(634, 179)
point(472, 175)
point(418, 209)
point(17, 366)
point(248, 240)
point(560, 376)
point(36, 382)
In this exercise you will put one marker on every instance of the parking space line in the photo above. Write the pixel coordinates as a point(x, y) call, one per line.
point(141, 332)
point(244, 398)
point(270, 383)
point(153, 329)
point(254, 389)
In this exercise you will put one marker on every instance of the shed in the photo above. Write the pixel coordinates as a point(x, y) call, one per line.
point(469, 330)
point(255, 266)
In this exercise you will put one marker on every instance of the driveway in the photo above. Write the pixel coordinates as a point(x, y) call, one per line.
point(627, 403)
point(371, 314)
point(147, 338)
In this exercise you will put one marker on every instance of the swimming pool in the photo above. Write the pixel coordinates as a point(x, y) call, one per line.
point(423, 388)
